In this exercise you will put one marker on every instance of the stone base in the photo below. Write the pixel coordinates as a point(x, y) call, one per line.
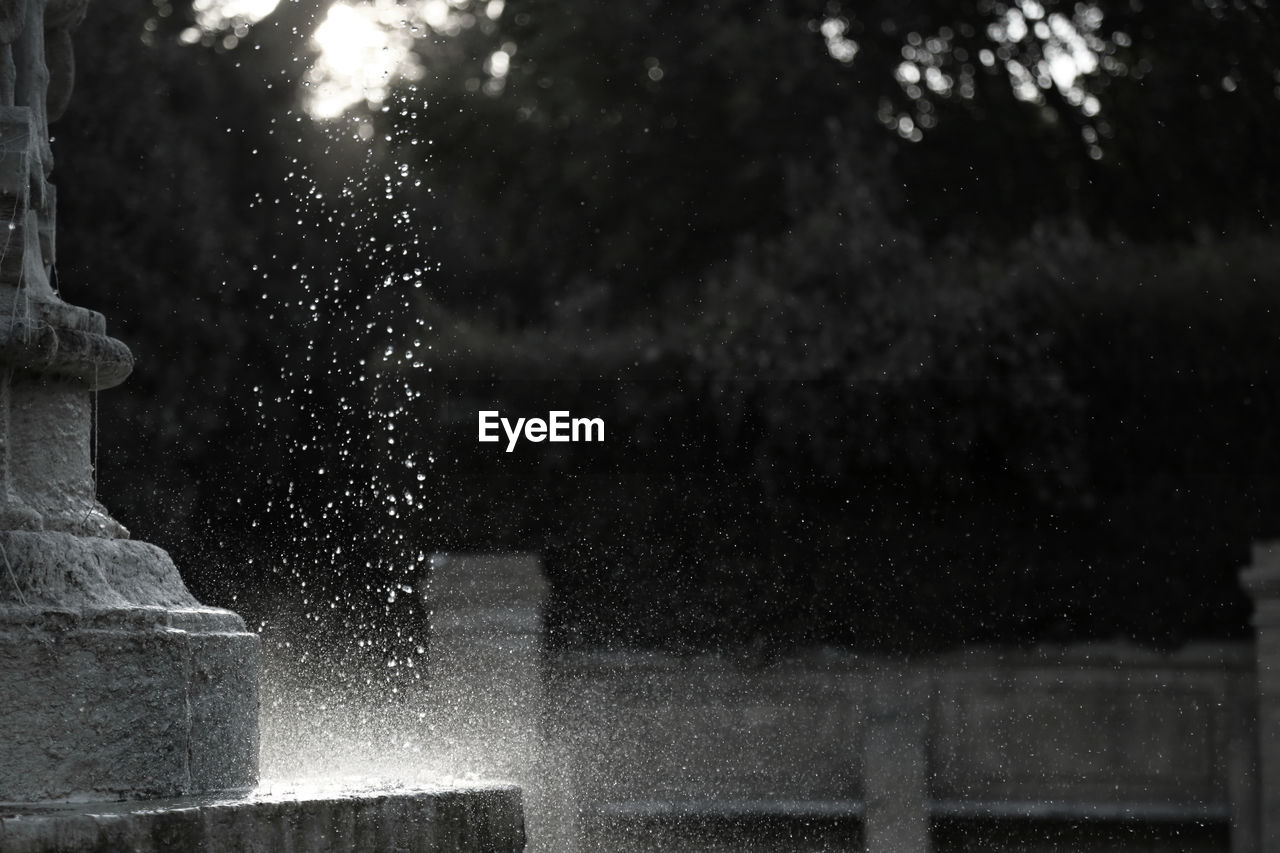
point(483, 819)
point(116, 683)
point(143, 702)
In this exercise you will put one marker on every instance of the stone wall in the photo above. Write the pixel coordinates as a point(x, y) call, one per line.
point(1082, 743)
point(1082, 748)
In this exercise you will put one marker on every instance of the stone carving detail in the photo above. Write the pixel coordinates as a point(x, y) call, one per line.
point(37, 71)
point(51, 353)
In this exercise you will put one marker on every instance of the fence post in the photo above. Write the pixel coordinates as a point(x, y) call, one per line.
point(1262, 581)
point(487, 693)
point(895, 763)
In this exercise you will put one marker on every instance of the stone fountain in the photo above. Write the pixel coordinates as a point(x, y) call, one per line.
point(128, 711)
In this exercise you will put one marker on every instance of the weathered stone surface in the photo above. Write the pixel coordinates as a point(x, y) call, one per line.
point(117, 682)
point(126, 702)
point(64, 572)
point(481, 819)
point(52, 355)
point(55, 341)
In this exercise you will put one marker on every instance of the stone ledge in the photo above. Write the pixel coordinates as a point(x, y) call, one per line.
point(486, 818)
point(55, 340)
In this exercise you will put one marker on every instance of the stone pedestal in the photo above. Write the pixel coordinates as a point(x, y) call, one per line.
point(116, 682)
point(124, 686)
point(1262, 581)
point(485, 653)
point(486, 697)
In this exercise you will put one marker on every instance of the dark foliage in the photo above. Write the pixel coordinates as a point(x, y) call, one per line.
point(880, 362)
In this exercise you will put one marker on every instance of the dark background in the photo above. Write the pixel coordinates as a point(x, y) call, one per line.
point(1004, 372)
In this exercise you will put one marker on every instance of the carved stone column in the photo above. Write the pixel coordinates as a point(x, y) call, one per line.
point(116, 682)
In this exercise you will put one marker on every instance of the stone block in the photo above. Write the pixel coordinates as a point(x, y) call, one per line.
point(126, 703)
point(485, 651)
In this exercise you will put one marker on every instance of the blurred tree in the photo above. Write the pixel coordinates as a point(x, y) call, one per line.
point(775, 203)
point(846, 242)
point(631, 146)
